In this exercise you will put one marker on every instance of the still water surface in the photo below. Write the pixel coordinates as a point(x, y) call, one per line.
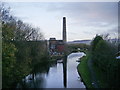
point(56, 77)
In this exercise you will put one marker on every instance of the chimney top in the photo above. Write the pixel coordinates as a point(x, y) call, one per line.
point(64, 17)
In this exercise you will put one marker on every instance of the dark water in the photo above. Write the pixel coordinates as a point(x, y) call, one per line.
point(56, 74)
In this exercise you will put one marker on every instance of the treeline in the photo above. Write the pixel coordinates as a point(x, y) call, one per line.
point(75, 47)
point(104, 57)
point(22, 48)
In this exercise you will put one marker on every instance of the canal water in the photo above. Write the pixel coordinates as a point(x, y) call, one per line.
point(56, 75)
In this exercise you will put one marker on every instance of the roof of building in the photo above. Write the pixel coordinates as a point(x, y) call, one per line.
point(52, 39)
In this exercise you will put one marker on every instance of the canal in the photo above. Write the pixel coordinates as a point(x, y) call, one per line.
point(56, 74)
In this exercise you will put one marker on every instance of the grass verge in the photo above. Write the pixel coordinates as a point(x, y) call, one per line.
point(83, 70)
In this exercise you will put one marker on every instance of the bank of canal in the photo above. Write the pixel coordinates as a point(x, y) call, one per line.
point(84, 72)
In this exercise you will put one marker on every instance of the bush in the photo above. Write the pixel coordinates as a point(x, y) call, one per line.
point(103, 56)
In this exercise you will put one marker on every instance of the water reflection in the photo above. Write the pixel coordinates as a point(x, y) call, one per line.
point(55, 74)
point(37, 78)
point(65, 71)
point(73, 78)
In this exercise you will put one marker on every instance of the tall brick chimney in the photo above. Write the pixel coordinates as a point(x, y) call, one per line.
point(64, 30)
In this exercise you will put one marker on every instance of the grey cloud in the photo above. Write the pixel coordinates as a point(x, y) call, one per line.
point(98, 17)
point(98, 24)
point(93, 10)
point(101, 30)
point(113, 30)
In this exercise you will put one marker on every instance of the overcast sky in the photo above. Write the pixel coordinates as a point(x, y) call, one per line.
point(84, 19)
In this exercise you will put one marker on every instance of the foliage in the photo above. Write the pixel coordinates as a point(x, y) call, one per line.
point(95, 42)
point(8, 63)
point(21, 50)
point(103, 55)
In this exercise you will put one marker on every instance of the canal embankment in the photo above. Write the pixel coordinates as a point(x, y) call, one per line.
point(84, 72)
point(91, 75)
